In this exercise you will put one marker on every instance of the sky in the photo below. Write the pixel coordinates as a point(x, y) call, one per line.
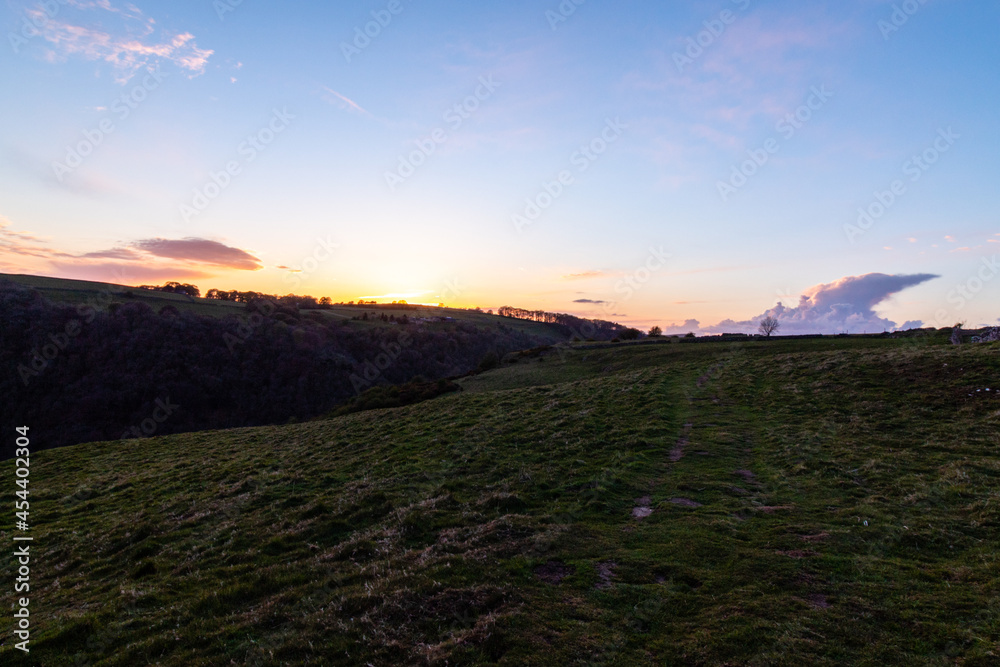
point(691, 165)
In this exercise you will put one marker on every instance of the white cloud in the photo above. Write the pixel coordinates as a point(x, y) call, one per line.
point(132, 49)
point(844, 305)
point(342, 102)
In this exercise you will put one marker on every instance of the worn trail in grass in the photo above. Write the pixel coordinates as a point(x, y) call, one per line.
point(496, 526)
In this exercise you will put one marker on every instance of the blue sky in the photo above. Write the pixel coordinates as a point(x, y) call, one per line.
point(273, 150)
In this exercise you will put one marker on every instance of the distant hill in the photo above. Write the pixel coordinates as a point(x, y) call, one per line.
point(77, 292)
point(814, 501)
point(94, 361)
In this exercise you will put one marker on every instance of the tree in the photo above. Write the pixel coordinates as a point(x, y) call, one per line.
point(655, 331)
point(181, 288)
point(769, 325)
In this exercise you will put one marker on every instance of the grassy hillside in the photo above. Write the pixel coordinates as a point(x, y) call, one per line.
point(99, 295)
point(821, 502)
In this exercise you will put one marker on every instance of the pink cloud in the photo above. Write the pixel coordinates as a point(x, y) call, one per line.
point(125, 273)
point(587, 275)
point(200, 250)
point(189, 257)
point(128, 52)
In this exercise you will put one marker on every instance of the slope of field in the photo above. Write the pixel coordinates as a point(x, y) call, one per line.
point(100, 295)
point(120, 363)
point(817, 502)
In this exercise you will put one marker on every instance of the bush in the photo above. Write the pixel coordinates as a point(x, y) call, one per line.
point(489, 361)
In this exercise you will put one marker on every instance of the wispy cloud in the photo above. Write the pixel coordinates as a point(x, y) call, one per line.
point(115, 253)
point(78, 183)
point(587, 275)
point(125, 274)
point(589, 301)
point(21, 243)
point(342, 102)
point(755, 73)
point(129, 49)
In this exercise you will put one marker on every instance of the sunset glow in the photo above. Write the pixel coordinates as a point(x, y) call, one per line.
point(517, 154)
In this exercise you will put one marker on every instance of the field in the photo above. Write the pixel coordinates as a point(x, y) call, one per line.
point(100, 295)
point(789, 502)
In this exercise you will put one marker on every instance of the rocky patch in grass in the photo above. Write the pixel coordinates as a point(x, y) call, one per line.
point(643, 507)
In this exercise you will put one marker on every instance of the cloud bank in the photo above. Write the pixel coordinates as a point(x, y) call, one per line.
point(845, 305)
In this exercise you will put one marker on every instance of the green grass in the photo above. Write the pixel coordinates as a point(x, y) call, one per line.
point(100, 295)
point(494, 526)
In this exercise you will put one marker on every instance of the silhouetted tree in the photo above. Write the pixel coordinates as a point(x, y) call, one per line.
point(769, 325)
